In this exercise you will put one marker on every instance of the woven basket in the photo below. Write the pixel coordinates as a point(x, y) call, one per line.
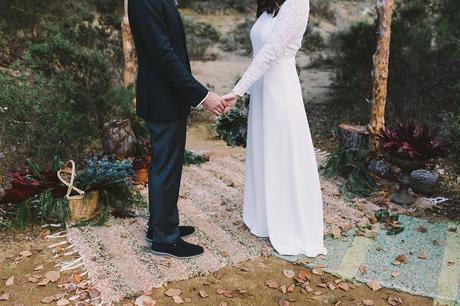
point(81, 207)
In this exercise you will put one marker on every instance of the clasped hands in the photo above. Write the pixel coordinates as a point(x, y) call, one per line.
point(219, 105)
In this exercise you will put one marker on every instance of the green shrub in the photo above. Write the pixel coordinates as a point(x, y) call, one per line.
point(200, 36)
point(239, 38)
point(322, 8)
point(61, 100)
point(423, 71)
point(312, 40)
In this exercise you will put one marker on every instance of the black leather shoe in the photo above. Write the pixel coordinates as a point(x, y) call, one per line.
point(184, 231)
point(179, 249)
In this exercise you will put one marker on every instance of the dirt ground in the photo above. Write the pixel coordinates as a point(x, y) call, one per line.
point(244, 284)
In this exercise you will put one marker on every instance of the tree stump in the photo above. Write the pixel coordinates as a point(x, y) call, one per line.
point(353, 136)
point(119, 138)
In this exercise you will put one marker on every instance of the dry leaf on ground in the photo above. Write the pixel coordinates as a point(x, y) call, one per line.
point(144, 300)
point(374, 285)
point(399, 260)
point(26, 253)
point(394, 301)
point(53, 276)
point(10, 281)
point(289, 273)
point(271, 283)
point(62, 302)
point(173, 292)
point(422, 256)
point(177, 299)
point(5, 296)
point(203, 294)
point(368, 302)
point(38, 268)
point(395, 274)
point(290, 288)
point(283, 289)
point(283, 302)
point(363, 269)
point(344, 286)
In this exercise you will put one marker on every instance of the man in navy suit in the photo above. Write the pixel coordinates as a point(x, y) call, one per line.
point(166, 91)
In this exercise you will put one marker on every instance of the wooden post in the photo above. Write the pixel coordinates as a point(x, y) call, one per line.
point(380, 74)
point(129, 73)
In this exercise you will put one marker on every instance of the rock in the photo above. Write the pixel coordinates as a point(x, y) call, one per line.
point(423, 181)
point(379, 167)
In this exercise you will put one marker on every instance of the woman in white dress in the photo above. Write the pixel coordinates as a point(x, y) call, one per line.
point(282, 197)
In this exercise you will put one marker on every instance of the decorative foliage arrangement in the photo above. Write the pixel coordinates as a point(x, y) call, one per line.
point(352, 165)
point(412, 141)
point(40, 196)
point(233, 126)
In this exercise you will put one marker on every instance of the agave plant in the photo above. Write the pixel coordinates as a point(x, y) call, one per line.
point(412, 141)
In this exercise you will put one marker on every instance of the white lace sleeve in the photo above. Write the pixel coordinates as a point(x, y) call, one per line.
point(291, 20)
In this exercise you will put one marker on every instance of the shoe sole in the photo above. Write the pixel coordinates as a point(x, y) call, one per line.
point(150, 240)
point(174, 256)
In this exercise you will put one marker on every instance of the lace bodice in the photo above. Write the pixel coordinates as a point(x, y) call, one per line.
point(283, 42)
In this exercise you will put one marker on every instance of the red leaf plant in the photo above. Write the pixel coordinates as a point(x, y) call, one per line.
point(412, 141)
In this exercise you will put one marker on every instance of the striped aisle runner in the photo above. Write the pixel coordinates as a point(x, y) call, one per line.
point(118, 260)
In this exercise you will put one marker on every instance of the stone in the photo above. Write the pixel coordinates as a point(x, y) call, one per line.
point(379, 167)
point(423, 181)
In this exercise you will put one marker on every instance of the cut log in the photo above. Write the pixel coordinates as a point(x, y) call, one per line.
point(380, 74)
point(353, 136)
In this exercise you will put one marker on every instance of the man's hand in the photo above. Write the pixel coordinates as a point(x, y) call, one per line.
point(215, 104)
point(230, 100)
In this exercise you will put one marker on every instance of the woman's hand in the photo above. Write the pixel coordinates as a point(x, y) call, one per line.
point(230, 99)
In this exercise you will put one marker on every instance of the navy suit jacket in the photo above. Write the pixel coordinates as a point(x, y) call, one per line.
point(166, 89)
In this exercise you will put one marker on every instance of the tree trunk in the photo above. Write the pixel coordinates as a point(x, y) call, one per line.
point(129, 74)
point(353, 136)
point(380, 74)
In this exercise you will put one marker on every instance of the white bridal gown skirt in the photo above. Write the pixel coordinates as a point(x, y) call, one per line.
point(282, 198)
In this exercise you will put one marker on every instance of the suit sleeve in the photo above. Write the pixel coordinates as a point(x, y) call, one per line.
point(153, 33)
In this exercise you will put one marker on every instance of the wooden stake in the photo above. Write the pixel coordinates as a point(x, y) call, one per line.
point(129, 74)
point(380, 74)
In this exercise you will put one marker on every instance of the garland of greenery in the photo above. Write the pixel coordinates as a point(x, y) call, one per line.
point(352, 165)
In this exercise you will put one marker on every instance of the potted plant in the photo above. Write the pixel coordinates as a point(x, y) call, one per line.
point(141, 160)
point(410, 147)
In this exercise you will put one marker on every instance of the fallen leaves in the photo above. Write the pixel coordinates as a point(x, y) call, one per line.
point(363, 269)
point(26, 253)
point(421, 229)
point(203, 294)
point(374, 285)
point(303, 276)
point(173, 292)
point(5, 296)
point(38, 268)
point(271, 283)
point(399, 260)
point(422, 256)
point(228, 293)
point(177, 299)
point(394, 301)
point(10, 281)
point(368, 302)
point(144, 300)
point(344, 286)
point(289, 273)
